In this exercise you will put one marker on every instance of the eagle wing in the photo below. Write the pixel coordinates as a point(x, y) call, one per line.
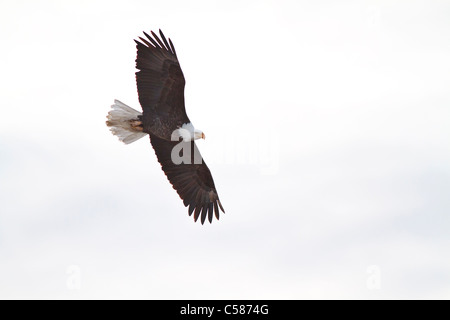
point(193, 182)
point(160, 81)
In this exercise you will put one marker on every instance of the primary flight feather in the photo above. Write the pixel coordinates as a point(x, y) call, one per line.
point(160, 84)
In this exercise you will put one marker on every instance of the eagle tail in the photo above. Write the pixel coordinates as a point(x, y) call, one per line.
point(125, 122)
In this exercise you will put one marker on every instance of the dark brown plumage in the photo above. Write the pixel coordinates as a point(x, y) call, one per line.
point(193, 182)
point(160, 85)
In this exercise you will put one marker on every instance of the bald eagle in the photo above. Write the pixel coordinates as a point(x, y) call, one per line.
point(160, 86)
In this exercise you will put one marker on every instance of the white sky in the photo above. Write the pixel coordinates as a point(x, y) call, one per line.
point(327, 135)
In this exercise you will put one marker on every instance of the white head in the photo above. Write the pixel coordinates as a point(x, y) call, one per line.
point(188, 133)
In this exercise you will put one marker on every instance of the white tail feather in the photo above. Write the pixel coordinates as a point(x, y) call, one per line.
point(119, 121)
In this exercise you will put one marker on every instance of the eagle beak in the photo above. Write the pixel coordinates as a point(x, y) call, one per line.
point(203, 136)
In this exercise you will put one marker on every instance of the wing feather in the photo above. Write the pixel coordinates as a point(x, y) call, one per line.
point(216, 210)
point(204, 212)
point(210, 212)
point(173, 47)
point(193, 182)
point(160, 80)
point(197, 212)
point(165, 41)
point(155, 36)
point(152, 41)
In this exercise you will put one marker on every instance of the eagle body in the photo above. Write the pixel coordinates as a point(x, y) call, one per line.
point(160, 127)
point(160, 85)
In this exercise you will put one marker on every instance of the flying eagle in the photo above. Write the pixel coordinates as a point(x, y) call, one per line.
point(160, 86)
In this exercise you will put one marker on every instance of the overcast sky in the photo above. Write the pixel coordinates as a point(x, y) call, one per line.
point(327, 134)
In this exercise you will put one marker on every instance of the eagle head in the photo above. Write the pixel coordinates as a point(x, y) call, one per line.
point(188, 133)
